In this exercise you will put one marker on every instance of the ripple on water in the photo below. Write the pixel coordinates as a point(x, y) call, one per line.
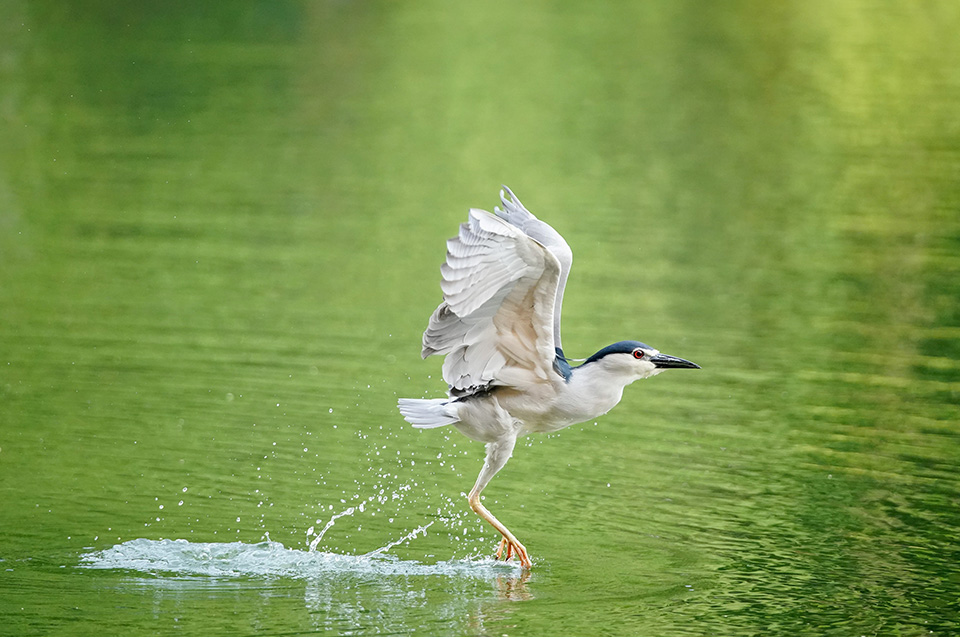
point(271, 558)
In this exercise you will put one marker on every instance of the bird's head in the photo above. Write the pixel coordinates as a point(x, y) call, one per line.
point(636, 360)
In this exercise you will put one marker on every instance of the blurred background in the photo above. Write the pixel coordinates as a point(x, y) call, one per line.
point(221, 226)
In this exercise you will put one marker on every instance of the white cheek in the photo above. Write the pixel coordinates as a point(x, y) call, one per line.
point(645, 369)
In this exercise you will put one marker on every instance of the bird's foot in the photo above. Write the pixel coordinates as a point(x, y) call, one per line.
point(514, 547)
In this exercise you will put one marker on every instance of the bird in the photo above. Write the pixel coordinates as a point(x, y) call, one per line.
point(498, 328)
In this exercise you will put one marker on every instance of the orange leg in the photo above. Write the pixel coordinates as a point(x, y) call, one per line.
point(498, 453)
point(509, 541)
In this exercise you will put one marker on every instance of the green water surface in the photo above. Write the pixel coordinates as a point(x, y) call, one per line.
point(221, 226)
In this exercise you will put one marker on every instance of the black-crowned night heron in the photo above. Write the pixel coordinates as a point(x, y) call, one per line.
point(499, 327)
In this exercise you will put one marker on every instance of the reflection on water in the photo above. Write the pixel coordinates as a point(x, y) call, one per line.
point(370, 592)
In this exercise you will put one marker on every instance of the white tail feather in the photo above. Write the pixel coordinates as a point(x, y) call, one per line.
point(428, 413)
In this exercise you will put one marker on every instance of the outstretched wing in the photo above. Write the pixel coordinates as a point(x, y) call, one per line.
point(501, 293)
point(515, 213)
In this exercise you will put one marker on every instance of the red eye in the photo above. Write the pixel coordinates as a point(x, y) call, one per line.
point(638, 354)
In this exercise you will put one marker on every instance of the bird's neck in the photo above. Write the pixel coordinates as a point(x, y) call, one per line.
point(594, 389)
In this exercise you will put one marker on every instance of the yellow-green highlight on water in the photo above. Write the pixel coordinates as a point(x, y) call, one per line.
point(220, 234)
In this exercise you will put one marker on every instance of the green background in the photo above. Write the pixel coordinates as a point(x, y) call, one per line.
point(221, 226)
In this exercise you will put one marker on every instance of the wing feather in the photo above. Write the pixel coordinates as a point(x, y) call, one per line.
point(515, 213)
point(500, 286)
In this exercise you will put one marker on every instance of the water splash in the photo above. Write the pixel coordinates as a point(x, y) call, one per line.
point(181, 558)
point(412, 535)
point(316, 541)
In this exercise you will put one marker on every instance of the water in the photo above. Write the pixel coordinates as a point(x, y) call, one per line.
point(220, 235)
point(335, 589)
point(271, 559)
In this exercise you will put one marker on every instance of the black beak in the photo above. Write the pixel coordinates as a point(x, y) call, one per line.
point(667, 361)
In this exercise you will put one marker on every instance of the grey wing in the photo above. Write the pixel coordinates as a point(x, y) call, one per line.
point(495, 325)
